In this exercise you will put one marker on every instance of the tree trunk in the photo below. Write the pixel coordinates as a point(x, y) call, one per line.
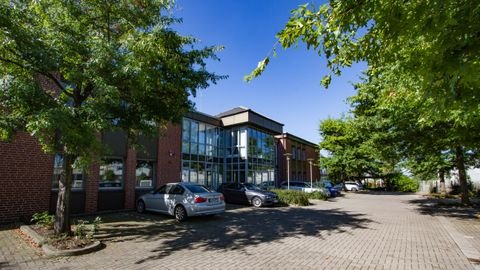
point(62, 216)
point(441, 175)
point(462, 176)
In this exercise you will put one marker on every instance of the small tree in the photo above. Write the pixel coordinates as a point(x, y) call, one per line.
point(70, 69)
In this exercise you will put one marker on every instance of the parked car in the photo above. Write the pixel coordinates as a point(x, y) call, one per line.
point(326, 184)
point(339, 187)
point(182, 200)
point(267, 185)
point(304, 186)
point(247, 193)
point(353, 186)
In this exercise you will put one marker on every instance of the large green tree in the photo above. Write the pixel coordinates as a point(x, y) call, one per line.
point(434, 42)
point(71, 69)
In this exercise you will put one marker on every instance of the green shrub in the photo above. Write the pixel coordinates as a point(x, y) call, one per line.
point(81, 228)
point(292, 197)
point(405, 184)
point(317, 195)
point(43, 219)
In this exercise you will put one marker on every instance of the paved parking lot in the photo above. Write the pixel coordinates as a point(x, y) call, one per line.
point(358, 231)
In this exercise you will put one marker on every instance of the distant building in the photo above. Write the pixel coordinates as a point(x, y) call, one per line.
point(239, 145)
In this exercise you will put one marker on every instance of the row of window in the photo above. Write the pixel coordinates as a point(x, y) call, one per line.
point(298, 153)
point(111, 174)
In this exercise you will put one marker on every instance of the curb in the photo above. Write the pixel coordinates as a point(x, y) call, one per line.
point(37, 238)
point(53, 252)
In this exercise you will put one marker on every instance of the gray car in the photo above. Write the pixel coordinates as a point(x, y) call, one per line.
point(182, 200)
point(247, 193)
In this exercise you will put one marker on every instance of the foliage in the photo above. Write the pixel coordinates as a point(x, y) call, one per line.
point(292, 197)
point(317, 195)
point(419, 97)
point(349, 154)
point(71, 69)
point(404, 183)
point(81, 230)
point(44, 219)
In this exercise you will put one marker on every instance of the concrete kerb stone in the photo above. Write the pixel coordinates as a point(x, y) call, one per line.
point(37, 238)
point(51, 251)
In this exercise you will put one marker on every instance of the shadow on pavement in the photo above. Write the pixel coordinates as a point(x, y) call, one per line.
point(234, 230)
point(444, 207)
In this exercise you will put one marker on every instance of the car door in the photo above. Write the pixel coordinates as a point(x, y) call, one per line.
point(174, 196)
point(156, 202)
point(229, 193)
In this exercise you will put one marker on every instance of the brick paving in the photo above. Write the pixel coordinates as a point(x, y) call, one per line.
point(358, 231)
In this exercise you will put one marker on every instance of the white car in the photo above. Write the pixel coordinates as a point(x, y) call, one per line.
point(182, 200)
point(304, 186)
point(353, 186)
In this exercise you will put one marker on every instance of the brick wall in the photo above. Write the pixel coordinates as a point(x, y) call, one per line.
point(130, 179)
point(169, 155)
point(25, 178)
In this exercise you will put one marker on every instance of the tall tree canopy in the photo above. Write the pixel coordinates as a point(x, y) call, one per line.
point(70, 69)
point(429, 48)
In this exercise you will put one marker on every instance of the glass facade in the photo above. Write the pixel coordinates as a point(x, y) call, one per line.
point(111, 173)
point(202, 153)
point(212, 155)
point(144, 173)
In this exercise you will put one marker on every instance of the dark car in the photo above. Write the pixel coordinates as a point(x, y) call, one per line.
point(247, 193)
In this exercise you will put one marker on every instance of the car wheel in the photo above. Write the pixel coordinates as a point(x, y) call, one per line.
point(354, 189)
point(180, 213)
point(257, 202)
point(140, 207)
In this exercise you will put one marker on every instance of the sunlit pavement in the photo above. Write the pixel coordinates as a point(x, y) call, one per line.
point(357, 231)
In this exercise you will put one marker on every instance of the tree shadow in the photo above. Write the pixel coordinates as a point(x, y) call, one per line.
point(233, 230)
point(381, 192)
point(445, 207)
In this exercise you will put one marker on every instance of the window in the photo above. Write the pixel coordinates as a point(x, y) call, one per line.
point(144, 174)
point(111, 174)
point(176, 190)
point(293, 152)
point(77, 174)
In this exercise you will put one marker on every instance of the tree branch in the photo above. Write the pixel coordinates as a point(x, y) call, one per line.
point(46, 74)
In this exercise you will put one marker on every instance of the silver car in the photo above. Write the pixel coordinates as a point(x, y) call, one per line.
point(182, 200)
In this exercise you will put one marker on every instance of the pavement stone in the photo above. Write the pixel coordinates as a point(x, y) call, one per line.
point(357, 231)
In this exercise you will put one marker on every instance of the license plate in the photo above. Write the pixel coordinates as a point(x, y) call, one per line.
point(275, 201)
point(213, 200)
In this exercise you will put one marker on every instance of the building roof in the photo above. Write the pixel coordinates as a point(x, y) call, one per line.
point(242, 109)
point(295, 138)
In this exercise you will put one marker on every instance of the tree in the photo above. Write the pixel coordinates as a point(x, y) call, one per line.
point(71, 69)
point(349, 156)
point(436, 42)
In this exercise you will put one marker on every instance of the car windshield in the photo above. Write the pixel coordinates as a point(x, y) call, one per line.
point(197, 188)
point(251, 186)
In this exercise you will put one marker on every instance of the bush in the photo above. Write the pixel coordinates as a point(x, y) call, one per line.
point(43, 219)
point(317, 195)
point(405, 184)
point(81, 228)
point(292, 197)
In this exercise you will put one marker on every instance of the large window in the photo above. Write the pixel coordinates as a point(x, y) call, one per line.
point(144, 174)
point(111, 173)
point(58, 169)
point(202, 153)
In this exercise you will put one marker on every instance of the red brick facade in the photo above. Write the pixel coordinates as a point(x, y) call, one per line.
point(25, 178)
point(299, 163)
point(169, 155)
point(26, 173)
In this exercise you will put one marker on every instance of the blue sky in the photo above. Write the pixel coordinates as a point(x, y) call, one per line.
point(289, 91)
